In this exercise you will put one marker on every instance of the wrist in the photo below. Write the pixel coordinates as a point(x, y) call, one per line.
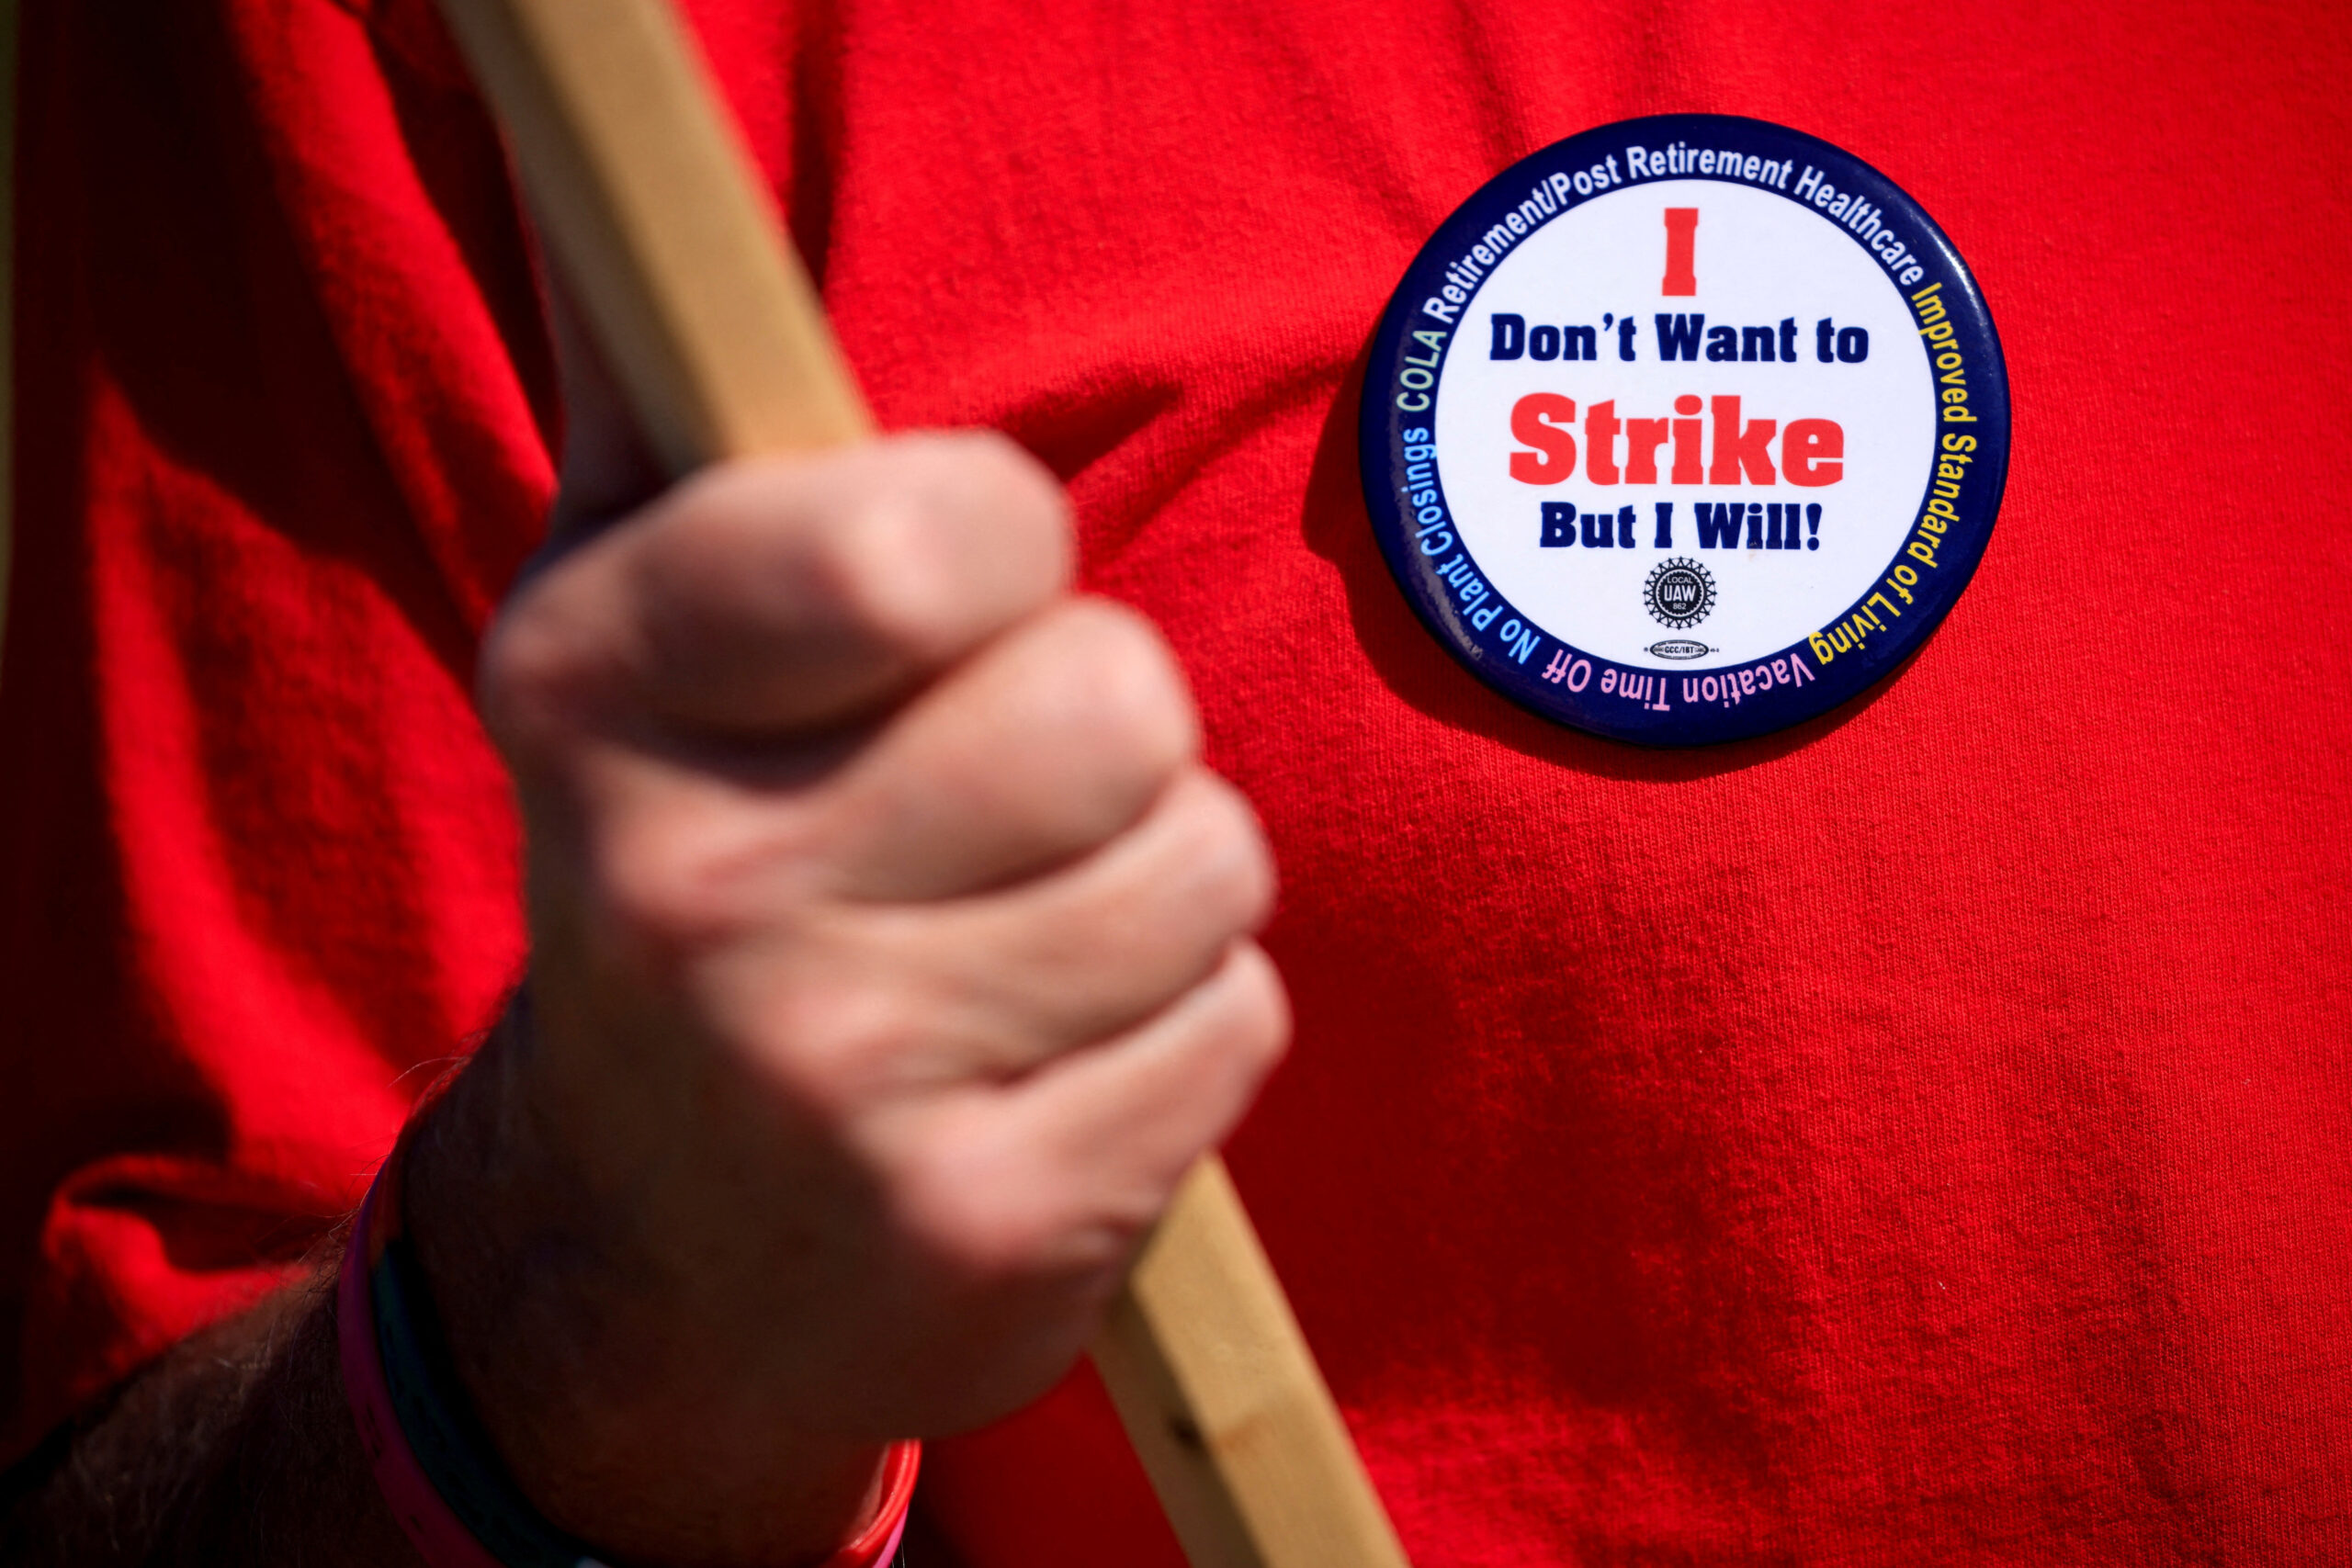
point(620, 1423)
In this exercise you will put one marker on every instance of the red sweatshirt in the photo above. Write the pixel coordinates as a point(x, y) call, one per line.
point(1924, 1135)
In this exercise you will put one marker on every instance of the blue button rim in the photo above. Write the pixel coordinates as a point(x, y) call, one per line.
point(1518, 675)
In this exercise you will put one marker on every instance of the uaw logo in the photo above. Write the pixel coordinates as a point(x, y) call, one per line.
point(1680, 594)
point(1680, 373)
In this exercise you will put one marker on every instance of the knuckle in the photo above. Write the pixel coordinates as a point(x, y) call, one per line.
point(540, 663)
point(917, 544)
point(1101, 673)
point(512, 683)
point(655, 892)
point(1251, 1022)
point(977, 1213)
point(836, 1041)
point(953, 533)
point(995, 1206)
point(1221, 852)
point(679, 865)
point(988, 465)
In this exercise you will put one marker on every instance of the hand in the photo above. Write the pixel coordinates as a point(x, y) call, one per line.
point(891, 965)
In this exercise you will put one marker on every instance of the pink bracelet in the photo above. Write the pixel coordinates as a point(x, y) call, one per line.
point(432, 1526)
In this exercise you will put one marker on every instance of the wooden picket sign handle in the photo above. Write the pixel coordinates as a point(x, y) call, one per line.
point(670, 243)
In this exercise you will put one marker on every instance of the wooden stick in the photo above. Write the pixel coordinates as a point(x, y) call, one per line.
point(669, 238)
point(1225, 1404)
point(661, 225)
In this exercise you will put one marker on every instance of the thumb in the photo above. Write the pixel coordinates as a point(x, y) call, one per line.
point(770, 597)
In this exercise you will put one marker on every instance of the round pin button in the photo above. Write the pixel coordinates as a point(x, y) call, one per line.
point(1685, 429)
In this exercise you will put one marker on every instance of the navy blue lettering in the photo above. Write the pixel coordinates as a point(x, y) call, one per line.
point(1678, 336)
point(1719, 525)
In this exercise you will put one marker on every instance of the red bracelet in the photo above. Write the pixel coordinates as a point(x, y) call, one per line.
point(433, 1525)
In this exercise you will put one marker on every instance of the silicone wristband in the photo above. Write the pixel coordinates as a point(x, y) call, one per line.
point(431, 1527)
point(425, 1449)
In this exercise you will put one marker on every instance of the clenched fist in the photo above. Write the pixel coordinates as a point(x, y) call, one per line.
point(890, 964)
